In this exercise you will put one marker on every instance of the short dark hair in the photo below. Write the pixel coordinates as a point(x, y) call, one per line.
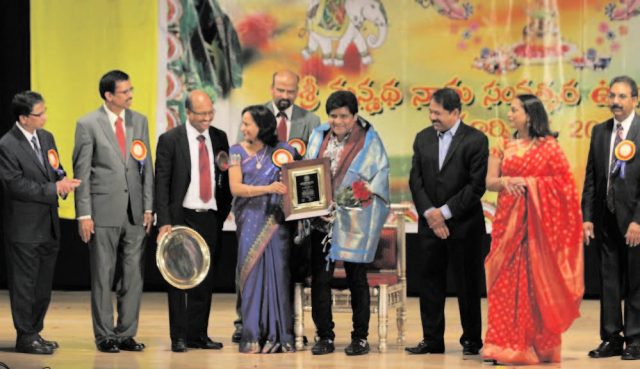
point(23, 103)
point(628, 81)
point(538, 118)
point(340, 99)
point(266, 122)
point(109, 80)
point(448, 98)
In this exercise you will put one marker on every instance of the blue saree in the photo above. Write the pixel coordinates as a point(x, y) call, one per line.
point(263, 257)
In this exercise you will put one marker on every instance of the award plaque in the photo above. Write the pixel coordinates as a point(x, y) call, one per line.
point(183, 257)
point(309, 188)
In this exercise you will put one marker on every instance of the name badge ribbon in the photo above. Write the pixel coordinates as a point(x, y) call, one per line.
point(299, 145)
point(139, 152)
point(54, 161)
point(280, 157)
point(624, 152)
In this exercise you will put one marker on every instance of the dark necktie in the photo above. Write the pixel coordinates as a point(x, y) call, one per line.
point(36, 148)
point(205, 170)
point(120, 137)
point(282, 126)
point(611, 205)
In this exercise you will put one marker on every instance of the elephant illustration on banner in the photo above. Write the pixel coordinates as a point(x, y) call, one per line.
point(342, 21)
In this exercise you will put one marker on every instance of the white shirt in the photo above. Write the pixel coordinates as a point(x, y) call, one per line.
point(29, 135)
point(112, 120)
point(192, 198)
point(288, 112)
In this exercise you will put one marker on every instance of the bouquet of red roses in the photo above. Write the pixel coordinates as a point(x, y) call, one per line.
point(357, 195)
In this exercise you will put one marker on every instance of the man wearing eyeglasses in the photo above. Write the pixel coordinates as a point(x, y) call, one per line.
point(611, 215)
point(32, 179)
point(192, 189)
point(114, 206)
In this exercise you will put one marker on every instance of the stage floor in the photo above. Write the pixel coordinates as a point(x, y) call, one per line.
point(69, 323)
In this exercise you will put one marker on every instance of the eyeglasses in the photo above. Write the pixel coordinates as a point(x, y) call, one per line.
point(125, 92)
point(38, 115)
point(203, 113)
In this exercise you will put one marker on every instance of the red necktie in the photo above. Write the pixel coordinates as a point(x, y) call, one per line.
point(120, 137)
point(282, 126)
point(205, 170)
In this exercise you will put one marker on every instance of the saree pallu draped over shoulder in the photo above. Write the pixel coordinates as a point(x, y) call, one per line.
point(263, 257)
point(535, 266)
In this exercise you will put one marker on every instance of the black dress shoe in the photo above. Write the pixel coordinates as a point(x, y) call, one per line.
point(131, 345)
point(425, 348)
point(607, 349)
point(108, 346)
point(358, 346)
point(237, 334)
point(470, 348)
point(205, 343)
point(631, 353)
point(53, 344)
point(179, 345)
point(323, 346)
point(34, 347)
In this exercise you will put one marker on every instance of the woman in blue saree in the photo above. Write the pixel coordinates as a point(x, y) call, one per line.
point(263, 237)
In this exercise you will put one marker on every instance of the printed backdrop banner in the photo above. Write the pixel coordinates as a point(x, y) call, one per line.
point(392, 54)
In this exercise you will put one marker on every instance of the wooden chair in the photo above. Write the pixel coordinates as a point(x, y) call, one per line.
point(387, 284)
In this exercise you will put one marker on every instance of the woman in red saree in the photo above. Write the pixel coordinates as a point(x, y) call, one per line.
point(535, 266)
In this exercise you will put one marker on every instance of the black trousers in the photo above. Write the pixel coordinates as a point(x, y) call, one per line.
point(620, 279)
point(466, 257)
point(321, 275)
point(189, 309)
point(30, 275)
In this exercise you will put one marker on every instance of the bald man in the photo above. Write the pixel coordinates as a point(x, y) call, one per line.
point(293, 122)
point(192, 190)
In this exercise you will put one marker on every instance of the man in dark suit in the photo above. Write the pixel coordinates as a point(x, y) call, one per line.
point(114, 207)
point(611, 213)
point(447, 180)
point(192, 189)
point(293, 122)
point(32, 179)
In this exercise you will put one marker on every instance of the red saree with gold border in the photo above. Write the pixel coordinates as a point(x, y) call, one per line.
point(535, 266)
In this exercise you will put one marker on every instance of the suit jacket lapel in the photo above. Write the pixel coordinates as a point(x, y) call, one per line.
point(455, 142)
point(103, 121)
point(634, 129)
point(128, 122)
point(183, 146)
point(606, 144)
point(432, 149)
point(45, 145)
point(28, 148)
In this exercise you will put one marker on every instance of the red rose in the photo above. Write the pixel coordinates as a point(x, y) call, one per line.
point(360, 191)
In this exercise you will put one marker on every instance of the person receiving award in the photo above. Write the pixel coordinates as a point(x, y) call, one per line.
point(535, 267)
point(263, 237)
point(360, 182)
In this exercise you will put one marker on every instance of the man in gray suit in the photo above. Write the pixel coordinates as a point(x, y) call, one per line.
point(293, 122)
point(114, 208)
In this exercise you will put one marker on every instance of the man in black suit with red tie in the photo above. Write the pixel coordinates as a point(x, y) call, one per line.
point(447, 180)
point(192, 189)
point(32, 179)
point(611, 214)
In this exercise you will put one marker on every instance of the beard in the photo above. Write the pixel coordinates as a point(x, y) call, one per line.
point(283, 104)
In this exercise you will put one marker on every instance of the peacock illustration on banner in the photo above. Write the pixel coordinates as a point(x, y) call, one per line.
point(343, 21)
